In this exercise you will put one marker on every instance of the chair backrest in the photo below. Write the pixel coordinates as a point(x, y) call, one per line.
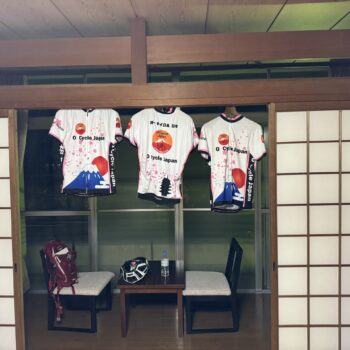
point(233, 265)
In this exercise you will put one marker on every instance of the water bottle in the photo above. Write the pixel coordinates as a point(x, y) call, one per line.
point(164, 264)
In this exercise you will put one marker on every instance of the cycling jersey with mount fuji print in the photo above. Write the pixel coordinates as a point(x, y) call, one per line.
point(88, 138)
point(232, 145)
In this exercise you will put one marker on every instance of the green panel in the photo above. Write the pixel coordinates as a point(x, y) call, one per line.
point(126, 235)
point(40, 229)
point(315, 16)
point(127, 175)
point(344, 23)
point(207, 239)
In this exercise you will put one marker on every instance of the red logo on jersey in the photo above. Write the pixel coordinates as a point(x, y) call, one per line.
point(80, 128)
point(101, 164)
point(238, 176)
point(129, 124)
point(162, 141)
point(223, 139)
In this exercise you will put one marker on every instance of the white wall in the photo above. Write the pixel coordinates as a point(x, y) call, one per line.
point(313, 230)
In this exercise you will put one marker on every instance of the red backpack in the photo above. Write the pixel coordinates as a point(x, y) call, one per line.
point(62, 269)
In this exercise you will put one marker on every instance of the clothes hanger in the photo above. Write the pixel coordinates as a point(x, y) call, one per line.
point(231, 111)
point(165, 109)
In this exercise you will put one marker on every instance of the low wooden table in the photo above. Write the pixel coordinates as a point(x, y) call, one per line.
point(155, 283)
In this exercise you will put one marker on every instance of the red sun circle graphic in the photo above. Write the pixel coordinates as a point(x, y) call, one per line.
point(129, 124)
point(162, 141)
point(238, 176)
point(223, 139)
point(80, 128)
point(101, 164)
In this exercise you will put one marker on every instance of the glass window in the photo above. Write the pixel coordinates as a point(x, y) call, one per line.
point(207, 240)
point(126, 235)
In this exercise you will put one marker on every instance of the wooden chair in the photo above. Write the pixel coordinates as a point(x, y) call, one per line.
point(91, 287)
point(214, 287)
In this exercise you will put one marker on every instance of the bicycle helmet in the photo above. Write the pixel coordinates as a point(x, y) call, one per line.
point(134, 270)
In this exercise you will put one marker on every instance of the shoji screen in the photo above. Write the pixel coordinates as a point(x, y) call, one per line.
point(7, 309)
point(313, 230)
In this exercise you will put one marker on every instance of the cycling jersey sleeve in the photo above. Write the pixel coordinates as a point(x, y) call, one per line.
point(115, 127)
point(203, 146)
point(256, 143)
point(59, 126)
point(130, 132)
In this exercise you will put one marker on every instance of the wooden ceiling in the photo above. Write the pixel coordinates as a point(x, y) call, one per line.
point(39, 19)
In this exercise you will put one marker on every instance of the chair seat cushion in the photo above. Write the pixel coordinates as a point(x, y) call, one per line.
point(206, 283)
point(89, 283)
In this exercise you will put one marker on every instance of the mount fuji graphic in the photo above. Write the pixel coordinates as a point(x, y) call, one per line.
point(229, 193)
point(88, 179)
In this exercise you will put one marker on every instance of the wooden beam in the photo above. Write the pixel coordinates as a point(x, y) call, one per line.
point(16, 230)
point(175, 94)
point(138, 51)
point(65, 52)
point(176, 49)
point(247, 46)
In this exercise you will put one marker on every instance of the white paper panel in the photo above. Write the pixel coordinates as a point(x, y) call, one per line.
point(6, 285)
point(292, 220)
point(6, 252)
point(5, 220)
point(345, 190)
point(324, 219)
point(345, 338)
point(323, 311)
point(345, 156)
point(291, 189)
point(291, 126)
point(345, 219)
point(5, 200)
point(324, 125)
point(4, 163)
point(291, 158)
point(323, 338)
point(292, 281)
point(345, 280)
point(8, 338)
point(292, 311)
point(346, 125)
point(324, 188)
point(292, 250)
point(324, 280)
point(4, 132)
point(324, 250)
point(345, 311)
point(324, 157)
point(292, 338)
point(345, 249)
point(7, 311)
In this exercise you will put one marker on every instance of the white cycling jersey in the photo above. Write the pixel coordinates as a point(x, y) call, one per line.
point(164, 141)
point(232, 145)
point(88, 138)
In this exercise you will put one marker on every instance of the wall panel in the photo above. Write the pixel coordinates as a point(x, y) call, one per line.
point(7, 299)
point(313, 229)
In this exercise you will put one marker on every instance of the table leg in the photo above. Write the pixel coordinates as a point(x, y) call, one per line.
point(180, 313)
point(123, 314)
